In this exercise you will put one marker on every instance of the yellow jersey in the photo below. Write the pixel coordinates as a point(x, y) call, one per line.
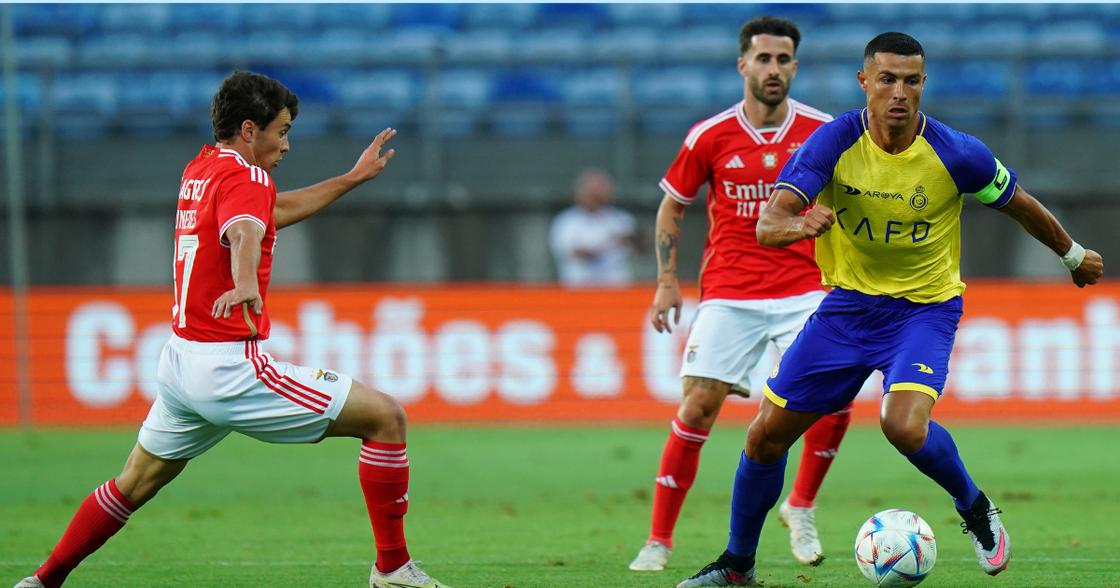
point(898, 230)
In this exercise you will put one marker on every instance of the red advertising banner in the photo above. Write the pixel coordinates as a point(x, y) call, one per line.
point(500, 353)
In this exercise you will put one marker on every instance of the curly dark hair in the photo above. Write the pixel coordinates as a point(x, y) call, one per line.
point(768, 25)
point(245, 95)
point(896, 43)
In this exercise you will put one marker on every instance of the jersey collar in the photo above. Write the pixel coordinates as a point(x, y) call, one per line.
point(863, 117)
point(756, 134)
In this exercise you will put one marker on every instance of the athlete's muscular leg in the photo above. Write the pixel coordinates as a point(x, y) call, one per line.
point(703, 397)
point(145, 474)
point(904, 418)
point(370, 415)
point(774, 430)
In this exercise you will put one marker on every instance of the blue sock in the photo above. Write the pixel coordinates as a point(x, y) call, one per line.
point(939, 460)
point(757, 488)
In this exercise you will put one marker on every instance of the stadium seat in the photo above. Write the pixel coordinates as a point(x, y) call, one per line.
point(489, 46)
point(85, 104)
point(282, 17)
point(521, 120)
point(584, 16)
point(702, 43)
point(43, 52)
point(675, 86)
point(62, 19)
point(339, 47)
point(413, 44)
point(114, 50)
point(447, 16)
point(1055, 78)
point(727, 86)
point(269, 48)
point(634, 44)
point(591, 122)
point(842, 41)
point(206, 17)
point(191, 49)
point(1070, 38)
point(655, 15)
point(990, 40)
point(366, 17)
point(511, 16)
point(463, 88)
point(378, 88)
point(671, 121)
point(29, 94)
point(553, 45)
point(601, 87)
point(134, 17)
point(969, 79)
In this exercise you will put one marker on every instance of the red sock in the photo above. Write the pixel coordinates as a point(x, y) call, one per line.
point(679, 461)
point(100, 516)
point(822, 441)
point(383, 472)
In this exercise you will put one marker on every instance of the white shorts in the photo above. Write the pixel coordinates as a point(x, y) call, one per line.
point(728, 338)
point(207, 390)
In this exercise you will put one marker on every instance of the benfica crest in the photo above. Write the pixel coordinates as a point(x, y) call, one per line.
point(769, 160)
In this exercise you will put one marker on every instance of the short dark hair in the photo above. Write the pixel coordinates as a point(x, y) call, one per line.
point(245, 95)
point(768, 25)
point(896, 43)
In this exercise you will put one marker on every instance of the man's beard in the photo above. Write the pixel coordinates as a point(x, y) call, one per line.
point(760, 94)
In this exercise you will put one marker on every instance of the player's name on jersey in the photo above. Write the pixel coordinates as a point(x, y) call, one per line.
point(186, 219)
point(192, 189)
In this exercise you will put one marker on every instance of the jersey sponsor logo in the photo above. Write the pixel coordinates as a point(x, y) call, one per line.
point(769, 160)
point(735, 163)
point(923, 368)
point(851, 190)
point(918, 231)
point(918, 200)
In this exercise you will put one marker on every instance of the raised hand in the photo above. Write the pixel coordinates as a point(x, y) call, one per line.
point(372, 161)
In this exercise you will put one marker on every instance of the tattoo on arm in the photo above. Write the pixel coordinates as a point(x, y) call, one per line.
point(666, 251)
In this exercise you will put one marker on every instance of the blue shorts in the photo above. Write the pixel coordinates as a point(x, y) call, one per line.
point(852, 334)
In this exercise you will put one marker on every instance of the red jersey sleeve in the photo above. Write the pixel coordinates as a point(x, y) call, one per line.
point(690, 170)
point(248, 195)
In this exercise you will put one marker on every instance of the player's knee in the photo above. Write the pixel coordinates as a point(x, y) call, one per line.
point(762, 447)
point(703, 398)
point(387, 419)
point(907, 435)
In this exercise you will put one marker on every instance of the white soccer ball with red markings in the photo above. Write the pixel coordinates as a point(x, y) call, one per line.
point(895, 548)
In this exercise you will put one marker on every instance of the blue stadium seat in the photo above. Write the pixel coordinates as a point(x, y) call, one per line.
point(45, 51)
point(337, 47)
point(282, 16)
point(600, 87)
point(726, 86)
point(841, 90)
point(85, 104)
point(626, 44)
point(584, 15)
point(148, 93)
point(446, 16)
point(412, 44)
point(207, 17)
point(869, 15)
point(1105, 77)
point(675, 86)
point(969, 80)
point(552, 45)
point(526, 86)
point(269, 48)
point(114, 50)
point(1005, 38)
point(467, 89)
point(511, 16)
point(1072, 38)
point(367, 17)
point(728, 16)
point(29, 94)
point(656, 15)
point(63, 19)
point(702, 43)
point(524, 120)
point(591, 122)
point(670, 121)
point(490, 46)
point(1053, 77)
point(378, 88)
point(844, 42)
point(134, 17)
point(191, 49)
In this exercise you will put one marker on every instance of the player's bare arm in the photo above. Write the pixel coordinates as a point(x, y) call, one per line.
point(1043, 226)
point(296, 205)
point(668, 295)
point(245, 255)
point(782, 223)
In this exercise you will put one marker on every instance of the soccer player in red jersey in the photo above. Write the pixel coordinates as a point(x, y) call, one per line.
point(214, 377)
point(749, 295)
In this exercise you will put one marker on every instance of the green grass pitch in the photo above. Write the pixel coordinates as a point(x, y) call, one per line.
point(546, 507)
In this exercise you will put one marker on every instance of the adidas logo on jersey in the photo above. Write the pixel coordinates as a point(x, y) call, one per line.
point(735, 163)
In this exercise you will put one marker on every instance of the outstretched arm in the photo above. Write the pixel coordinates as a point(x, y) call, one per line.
point(668, 295)
point(782, 223)
point(1085, 265)
point(296, 205)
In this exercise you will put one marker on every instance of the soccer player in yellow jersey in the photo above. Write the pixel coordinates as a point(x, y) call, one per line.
point(888, 184)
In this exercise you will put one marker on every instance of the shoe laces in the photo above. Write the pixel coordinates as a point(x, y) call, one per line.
point(412, 572)
point(978, 523)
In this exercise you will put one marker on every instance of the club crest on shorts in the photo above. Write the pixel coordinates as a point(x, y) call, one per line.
point(691, 355)
point(325, 375)
point(769, 160)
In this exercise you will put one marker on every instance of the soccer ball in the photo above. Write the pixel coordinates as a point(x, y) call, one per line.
point(895, 548)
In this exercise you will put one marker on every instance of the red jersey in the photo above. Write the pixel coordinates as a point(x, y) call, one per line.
point(218, 189)
point(740, 165)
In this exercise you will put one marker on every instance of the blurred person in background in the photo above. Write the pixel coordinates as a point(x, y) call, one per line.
point(592, 241)
point(888, 183)
point(213, 376)
point(750, 296)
